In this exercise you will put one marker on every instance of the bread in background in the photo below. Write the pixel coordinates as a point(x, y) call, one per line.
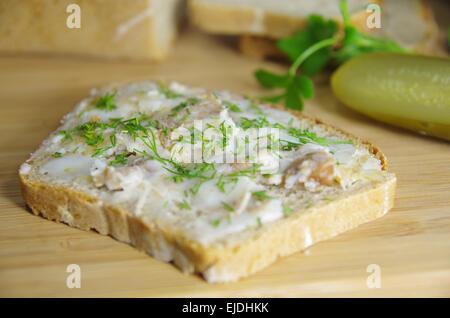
point(268, 18)
point(260, 23)
point(137, 29)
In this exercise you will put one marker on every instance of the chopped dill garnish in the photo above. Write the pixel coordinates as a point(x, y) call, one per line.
point(248, 172)
point(259, 122)
point(66, 135)
point(188, 102)
point(184, 205)
point(232, 107)
point(119, 160)
point(216, 222)
point(287, 210)
point(261, 195)
point(256, 108)
point(107, 102)
point(305, 136)
point(92, 132)
point(205, 171)
point(224, 131)
point(194, 189)
point(113, 140)
point(221, 183)
point(133, 127)
point(98, 151)
point(232, 178)
point(167, 92)
point(259, 222)
point(227, 207)
point(174, 111)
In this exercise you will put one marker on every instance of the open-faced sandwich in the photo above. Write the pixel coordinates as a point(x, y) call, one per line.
point(216, 183)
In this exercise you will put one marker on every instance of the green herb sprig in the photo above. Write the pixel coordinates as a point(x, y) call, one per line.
point(228, 207)
point(107, 102)
point(232, 107)
point(311, 50)
point(261, 195)
point(119, 160)
point(167, 92)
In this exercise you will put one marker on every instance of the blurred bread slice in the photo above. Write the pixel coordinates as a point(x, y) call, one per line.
point(259, 23)
point(268, 18)
point(138, 29)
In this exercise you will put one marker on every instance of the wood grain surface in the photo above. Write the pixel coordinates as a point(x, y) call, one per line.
point(411, 244)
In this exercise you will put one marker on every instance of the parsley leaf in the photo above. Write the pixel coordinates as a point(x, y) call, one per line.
point(316, 29)
point(271, 80)
point(296, 87)
point(355, 43)
point(299, 88)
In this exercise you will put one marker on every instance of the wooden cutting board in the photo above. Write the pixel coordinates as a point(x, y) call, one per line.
point(411, 244)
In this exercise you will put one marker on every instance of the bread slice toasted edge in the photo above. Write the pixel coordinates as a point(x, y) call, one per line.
point(259, 47)
point(217, 263)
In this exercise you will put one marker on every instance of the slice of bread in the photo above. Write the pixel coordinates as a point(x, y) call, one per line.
point(260, 47)
point(138, 29)
point(121, 164)
point(268, 18)
point(409, 23)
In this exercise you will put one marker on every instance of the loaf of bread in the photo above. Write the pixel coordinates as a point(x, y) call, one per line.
point(216, 183)
point(138, 29)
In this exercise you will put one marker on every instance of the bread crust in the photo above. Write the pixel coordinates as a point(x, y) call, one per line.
point(259, 47)
point(218, 262)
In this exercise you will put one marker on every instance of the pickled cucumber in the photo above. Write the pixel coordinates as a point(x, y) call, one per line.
point(409, 91)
